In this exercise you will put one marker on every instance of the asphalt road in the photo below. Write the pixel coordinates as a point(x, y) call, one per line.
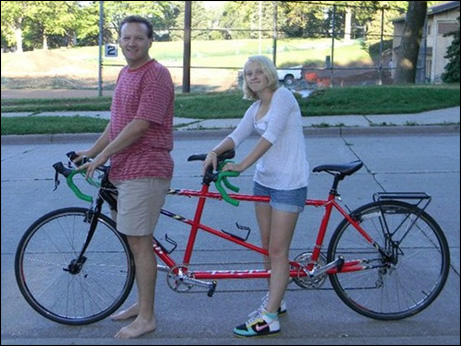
point(426, 161)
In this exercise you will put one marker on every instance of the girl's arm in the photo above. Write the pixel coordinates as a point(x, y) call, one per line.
point(259, 150)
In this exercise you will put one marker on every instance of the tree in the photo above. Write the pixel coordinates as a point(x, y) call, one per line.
point(13, 16)
point(161, 13)
point(53, 18)
point(392, 9)
point(201, 19)
point(245, 15)
point(87, 24)
point(7, 38)
point(451, 74)
point(407, 55)
point(300, 19)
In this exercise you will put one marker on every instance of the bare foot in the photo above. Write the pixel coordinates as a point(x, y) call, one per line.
point(132, 311)
point(135, 329)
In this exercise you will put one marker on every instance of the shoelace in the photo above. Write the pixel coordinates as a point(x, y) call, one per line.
point(254, 318)
point(259, 311)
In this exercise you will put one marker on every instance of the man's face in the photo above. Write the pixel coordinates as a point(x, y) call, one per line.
point(135, 44)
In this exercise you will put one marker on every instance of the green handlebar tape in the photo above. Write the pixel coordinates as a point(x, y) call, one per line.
point(76, 190)
point(222, 177)
point(229, 185)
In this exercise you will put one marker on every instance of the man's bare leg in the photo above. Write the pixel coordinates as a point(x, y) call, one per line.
point(146, 275)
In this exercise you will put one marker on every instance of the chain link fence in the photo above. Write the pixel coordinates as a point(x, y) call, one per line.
point(341, 51)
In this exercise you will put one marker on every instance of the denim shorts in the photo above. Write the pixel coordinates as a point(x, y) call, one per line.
point(291, 201)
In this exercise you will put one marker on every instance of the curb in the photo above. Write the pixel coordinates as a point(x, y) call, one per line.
point(200, 134)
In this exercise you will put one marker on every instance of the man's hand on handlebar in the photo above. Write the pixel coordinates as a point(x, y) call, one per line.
point(92, 166)
point(79, 158)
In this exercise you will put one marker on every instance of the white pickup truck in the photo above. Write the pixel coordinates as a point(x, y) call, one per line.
point(289, 74)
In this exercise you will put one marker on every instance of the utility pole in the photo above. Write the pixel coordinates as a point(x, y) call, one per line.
point(187, 48)
point(274, 45)
point(101, 30)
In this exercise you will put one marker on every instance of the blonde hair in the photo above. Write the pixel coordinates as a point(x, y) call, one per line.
point(269, 71)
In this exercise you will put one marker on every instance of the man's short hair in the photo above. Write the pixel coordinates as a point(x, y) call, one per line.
point(141, 20)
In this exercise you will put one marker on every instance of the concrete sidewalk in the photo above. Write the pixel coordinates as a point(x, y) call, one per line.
point(449, 116)
point(441, 120)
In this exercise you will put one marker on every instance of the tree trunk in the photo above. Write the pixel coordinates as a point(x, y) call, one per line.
point(18, 35)
point(348, 24)
point(407, 53)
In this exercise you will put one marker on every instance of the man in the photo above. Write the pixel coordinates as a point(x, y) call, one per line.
point(138, 141)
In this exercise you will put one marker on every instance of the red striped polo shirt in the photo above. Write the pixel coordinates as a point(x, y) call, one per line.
point(145, 93)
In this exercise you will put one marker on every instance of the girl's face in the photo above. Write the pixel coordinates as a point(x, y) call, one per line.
point(254, 77)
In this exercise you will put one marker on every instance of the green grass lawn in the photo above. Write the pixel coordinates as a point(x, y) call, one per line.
point(221, 105)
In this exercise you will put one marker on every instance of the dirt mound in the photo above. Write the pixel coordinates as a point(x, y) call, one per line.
point(47, 63)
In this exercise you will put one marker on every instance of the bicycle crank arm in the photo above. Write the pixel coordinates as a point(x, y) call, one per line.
point(163, 268)
point(195, 282)
point(338, 264)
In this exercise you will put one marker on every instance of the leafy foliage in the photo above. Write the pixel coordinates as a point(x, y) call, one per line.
point(33, 24)
point(451, 74)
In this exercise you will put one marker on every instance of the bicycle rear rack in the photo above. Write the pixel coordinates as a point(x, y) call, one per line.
point(422, 199)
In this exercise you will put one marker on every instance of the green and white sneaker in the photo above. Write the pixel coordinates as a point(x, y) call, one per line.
point(261, 325)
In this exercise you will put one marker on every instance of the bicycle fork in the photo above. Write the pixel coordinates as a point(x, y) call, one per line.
point(92, 217)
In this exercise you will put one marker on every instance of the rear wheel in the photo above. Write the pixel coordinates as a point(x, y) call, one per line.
point(407, 277)
point(65, 291)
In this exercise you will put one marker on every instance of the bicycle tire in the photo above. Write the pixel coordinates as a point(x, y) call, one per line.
point(42, 261)
point(386, 290)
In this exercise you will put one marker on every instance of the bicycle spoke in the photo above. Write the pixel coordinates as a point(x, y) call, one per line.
point(62, 290)
point(413, 269)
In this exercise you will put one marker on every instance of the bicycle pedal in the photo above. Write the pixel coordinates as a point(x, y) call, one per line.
point(340, 263)
point(212, 289)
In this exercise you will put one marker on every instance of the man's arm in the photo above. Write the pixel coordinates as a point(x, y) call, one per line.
point(102, 142)
point(129, 135)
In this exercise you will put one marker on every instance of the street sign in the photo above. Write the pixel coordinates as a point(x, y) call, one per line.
point(111, 51)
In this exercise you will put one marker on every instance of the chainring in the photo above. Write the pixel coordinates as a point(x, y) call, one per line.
point(306, 281)
point(175, 278)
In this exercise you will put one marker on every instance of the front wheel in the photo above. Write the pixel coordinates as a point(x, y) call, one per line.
point(401, 278)
point(65, 290)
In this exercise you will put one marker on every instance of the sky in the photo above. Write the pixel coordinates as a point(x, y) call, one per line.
point(212, 4)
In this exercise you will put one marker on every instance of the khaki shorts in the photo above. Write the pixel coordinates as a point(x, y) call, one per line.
point(139, 203)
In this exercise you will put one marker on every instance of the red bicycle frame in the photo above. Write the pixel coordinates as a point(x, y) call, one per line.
point(295, 271)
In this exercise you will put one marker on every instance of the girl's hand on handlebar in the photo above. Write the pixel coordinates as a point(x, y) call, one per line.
point(234, 167)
